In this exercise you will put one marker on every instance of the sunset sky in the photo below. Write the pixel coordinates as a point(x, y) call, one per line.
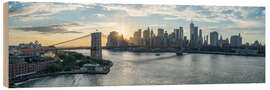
point(50, 23)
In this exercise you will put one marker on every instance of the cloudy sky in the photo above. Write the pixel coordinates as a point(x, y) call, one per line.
point(50, 23)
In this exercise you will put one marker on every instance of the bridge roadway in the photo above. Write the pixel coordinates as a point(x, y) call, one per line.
point(53, 48)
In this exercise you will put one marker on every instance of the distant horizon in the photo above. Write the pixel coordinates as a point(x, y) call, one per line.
point(50, 23)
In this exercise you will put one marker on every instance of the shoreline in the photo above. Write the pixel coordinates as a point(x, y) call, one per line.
point(106, 70)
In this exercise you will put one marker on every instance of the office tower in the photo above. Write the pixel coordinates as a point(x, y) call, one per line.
point(185, 41)
point(196, 41)
point(138, 37)
point(160, 38)
point(172, 39)
point(181, 37)
point(112, 39)
point(181, 33)
point(96, 48)
point(214, 38)
point(207, 40)
point(146, 38)
point(236, 41)
point(166, 39)
point(192, 34)
point(196, 36)
point(116, 39)
point(221, 42)
point(205, 43)
point(177, 34)
point(200, 39)
point(160, 33)
point(152, 36)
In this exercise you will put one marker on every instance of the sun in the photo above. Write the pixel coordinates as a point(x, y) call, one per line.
point(122, 32)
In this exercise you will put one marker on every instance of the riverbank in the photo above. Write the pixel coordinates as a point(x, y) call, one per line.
point(106, 70)
point(69, 63)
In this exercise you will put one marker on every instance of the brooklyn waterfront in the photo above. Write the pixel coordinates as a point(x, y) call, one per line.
point(132, 68)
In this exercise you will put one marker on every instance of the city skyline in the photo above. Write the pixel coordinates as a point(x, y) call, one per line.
point(73, 20)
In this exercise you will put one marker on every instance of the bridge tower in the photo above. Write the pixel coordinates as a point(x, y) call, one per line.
point(96, 48)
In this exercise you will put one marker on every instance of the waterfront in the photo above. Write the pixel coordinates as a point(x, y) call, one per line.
point(132, 68)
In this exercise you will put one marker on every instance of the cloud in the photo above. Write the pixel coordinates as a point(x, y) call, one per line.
point(48, 29)
point(99, 15)
point(212, 14)
point(40, 11)
point(33, 18)
point(140, 10)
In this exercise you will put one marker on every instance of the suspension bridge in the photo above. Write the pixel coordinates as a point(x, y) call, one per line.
point(53, 46)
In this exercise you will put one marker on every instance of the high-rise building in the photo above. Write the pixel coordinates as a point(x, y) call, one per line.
point(223, 43)
point(185, 41)
point(172, 39)
point(146, 38)
point(166, 39)
point(181, 33)
point(96, 48)
point(192, 32)
point(138, 37)
point(112, 40)
point(181, 37)
point(214, 38)
point(160, 33)
point(205, 44)
point(116, 39)
point(236, 41)
point(160, 38)
point(152, 36)
point(177, 34)
point(193, 36)
point(196, 36)
point(200, 39)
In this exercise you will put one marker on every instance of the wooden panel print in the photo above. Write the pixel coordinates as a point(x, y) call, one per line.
point(54, 44)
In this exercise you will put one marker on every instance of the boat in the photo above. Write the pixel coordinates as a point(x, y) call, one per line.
point(157, 54)
point(179, 53)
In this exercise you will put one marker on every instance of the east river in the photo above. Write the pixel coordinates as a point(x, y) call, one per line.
point(132, 68)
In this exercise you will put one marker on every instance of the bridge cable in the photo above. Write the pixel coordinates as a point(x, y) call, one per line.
point(70, 40)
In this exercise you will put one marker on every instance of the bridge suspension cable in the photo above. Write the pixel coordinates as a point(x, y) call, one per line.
point(71, 40)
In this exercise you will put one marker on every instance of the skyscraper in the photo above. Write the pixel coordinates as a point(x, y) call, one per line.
point(192, 35)
point(214, 38)
point(192, 32)
point(206, 41)
point(200, 39)
point(116, 39)
point(196, 36)
point(236, 41)
point(181, 33)
point(152, 36)
point(146, 38)
point(138, 37)
point(160, 33)
point(96, 48)
point(166, 39)
point(177, 34)
point(181, 37)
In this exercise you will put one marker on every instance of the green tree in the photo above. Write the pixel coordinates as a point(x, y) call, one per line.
point(69, 61)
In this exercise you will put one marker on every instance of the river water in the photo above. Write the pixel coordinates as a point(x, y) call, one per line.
point(132, 68)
